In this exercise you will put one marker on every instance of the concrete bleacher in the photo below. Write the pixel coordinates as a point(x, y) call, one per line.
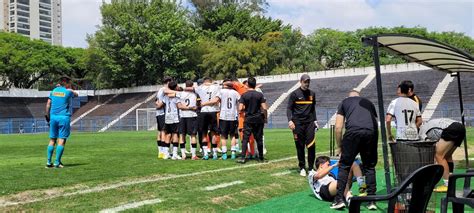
point(425, 83)
point(273, 90)
point(11, 107)
point(106, 113)
point(329, 93)
point(89, 104)
point(449, 106)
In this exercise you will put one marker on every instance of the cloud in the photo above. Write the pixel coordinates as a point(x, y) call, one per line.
point(80, 17)
point(348, 15)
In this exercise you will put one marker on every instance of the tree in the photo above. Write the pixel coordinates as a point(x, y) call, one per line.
point(141, 41)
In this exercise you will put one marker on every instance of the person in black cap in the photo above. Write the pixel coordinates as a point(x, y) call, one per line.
point(301, 113)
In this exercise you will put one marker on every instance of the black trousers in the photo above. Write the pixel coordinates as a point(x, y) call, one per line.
point(354, 142)
point(304, 138)
point(257, 130)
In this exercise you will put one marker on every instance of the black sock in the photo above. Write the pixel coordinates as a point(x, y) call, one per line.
point(193, 145)
point(451, 167)
point(182, 146)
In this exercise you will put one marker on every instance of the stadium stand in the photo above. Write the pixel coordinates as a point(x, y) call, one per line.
point(103, 115)
point(329, 93)
point(449, 104)
point(273, 90)
point(11, 107)
point(425, 83)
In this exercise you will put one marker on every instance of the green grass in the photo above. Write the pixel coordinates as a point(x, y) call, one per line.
point(102, 159)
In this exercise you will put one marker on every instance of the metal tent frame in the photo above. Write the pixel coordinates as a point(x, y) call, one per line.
point(428, 52)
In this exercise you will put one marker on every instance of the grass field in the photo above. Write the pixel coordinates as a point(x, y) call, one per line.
point(108, 170)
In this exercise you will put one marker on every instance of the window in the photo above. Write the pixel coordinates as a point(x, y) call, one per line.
point(45, 24)
point(23, 26)
point(45, 12)
point(42, 29)
point(45, 6)
point(24, 32)
point(12, 12)
point(44, 35)
point(24, 8)
point(46, 1)
point(25, 2)
point(45, 18)
point(12, 24)
point(12, 1)
point(21, 13)
point(22, 19)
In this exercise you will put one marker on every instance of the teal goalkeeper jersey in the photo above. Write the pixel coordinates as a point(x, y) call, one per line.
point(61, 101)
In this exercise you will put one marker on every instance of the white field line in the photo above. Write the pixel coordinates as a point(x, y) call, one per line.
point(131, 206)
point(220, 186)
point(5, 203)
point(281, 173)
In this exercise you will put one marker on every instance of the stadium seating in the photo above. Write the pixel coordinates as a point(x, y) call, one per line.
point(449, 105)
point(103, 115)
point(273, 90)
point(329, 93)
point(425, 84)
point(11, 107)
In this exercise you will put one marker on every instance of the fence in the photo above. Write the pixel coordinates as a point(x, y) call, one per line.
point(94, 124)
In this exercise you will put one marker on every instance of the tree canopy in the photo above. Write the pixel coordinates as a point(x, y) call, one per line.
point(141, 41)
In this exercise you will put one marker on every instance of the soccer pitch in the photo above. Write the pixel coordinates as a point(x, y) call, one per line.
point(120, 170)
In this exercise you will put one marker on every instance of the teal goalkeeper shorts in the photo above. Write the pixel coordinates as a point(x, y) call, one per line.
point(59, 126)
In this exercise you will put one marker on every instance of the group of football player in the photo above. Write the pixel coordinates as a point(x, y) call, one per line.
point(207, 113)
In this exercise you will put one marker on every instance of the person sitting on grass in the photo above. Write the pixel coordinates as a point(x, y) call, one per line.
point(324, 183)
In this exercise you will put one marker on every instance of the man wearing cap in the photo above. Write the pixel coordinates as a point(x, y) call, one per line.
point(58, 115)
point(301, 113)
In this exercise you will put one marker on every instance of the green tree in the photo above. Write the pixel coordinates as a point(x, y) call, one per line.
point(141, 41)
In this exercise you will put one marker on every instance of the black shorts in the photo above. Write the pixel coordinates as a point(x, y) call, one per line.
point(188, 126)
point(208, 122)
point(324, 193)
point(455, 132)
point(171, 128)
point(160, 122)
point(228, 128)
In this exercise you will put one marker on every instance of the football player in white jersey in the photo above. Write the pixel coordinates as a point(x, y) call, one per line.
point(208, 117)
point(171, 122)
point(406, 113)
point(160, 118)
point(229, 100)
point(188, 118)
point(323, 183)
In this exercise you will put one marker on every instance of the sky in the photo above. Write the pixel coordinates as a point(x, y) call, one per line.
point(81, 17)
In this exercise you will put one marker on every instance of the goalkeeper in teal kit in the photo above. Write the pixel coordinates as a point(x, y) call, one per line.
point(58, 115)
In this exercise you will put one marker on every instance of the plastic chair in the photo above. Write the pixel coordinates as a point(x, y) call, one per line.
point(467, 197)
point(423, 181)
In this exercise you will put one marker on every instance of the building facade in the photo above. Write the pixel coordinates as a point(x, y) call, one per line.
point(37, 19)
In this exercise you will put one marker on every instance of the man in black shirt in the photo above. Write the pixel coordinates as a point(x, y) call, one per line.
point(360, 119)
point(301, 113)
point(255, 108)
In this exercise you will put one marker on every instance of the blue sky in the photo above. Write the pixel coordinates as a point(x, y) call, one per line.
point(81, 17)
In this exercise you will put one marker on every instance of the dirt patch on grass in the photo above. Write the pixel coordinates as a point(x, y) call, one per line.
point(221, 199)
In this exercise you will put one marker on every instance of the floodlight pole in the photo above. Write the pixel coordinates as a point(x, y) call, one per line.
point(373, 41)
point(458, 76)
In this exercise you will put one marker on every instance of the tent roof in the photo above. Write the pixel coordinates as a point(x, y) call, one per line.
point(428, 52)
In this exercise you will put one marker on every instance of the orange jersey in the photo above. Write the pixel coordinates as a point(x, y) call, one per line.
point(239, 87)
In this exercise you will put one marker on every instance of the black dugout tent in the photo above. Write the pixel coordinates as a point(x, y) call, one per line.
point(431, 53)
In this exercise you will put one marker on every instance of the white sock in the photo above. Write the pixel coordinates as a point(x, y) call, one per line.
point(175, 150)
point(205, 150)
point(445, 182)
point(214, 151)
point(166, 150)
point(193, 151)
point(224, 149)
point(183, 151)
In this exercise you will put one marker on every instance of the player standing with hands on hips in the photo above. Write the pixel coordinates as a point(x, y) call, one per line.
point(301, 113)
